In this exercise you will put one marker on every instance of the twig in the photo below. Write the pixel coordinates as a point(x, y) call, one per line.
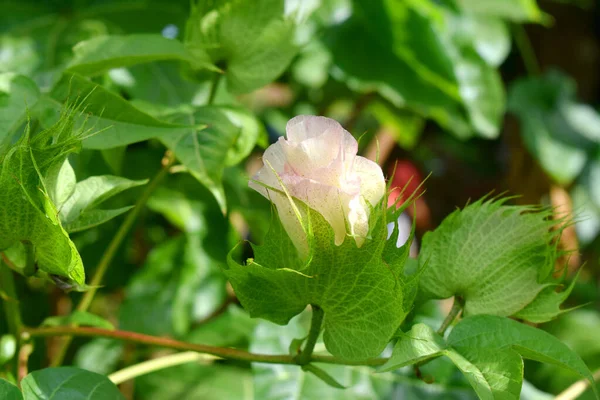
point(11, 306)
point(214, 85)
point(157, 364)
point(577, 389)
point(223, 352)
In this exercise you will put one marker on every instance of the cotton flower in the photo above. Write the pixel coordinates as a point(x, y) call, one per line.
point(318, 165)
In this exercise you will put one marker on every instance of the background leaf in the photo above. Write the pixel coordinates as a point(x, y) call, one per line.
point(68, 383)
point(100, 54)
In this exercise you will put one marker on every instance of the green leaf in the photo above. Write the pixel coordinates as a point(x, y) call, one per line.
point(421, 343)
point(115, 119)
point(80, 211)
point(27, 212)
point(17, 93)
point(495, 256)
point(488, 351)
point(8, 391)
point(82, 318)
point(99, 355)
point(366, 65)
point(92, 218)
point(251, 39)
point(557, 130)
point(358, 288)
point(513, 10)
point(502, 335)
point(488, 36)
point(425, 62)
point(68, 383)
point(100, 54)
point(60, 183)
point(228, 135)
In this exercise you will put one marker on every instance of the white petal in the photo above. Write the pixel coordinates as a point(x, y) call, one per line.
point(372, 182)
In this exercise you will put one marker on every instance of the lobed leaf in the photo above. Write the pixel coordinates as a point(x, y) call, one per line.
point(361, 294)
point(80, 211)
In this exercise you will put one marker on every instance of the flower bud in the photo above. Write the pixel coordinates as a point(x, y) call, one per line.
point(318, 165)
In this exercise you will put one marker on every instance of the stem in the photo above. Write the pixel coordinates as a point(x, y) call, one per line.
point(526, 49)
point(213, 88)
point(457, 307)
point(157, 364)
point(114, 245)
point(11, 307)
point(315, 329)
point(223, 352)
point(575, 390)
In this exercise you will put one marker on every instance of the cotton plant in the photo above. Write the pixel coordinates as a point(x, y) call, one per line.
point(335, 246)
point(336, 249)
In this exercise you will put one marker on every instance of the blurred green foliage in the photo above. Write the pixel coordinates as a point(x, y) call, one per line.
point(464, 88)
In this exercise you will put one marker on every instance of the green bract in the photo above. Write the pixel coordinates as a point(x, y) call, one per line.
point(27, 213)
point(495, 256)
point(363, 291)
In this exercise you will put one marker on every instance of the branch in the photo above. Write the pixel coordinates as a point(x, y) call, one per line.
point(576, 389)
point(223, 352)
point(12, 311)
point(157, 364)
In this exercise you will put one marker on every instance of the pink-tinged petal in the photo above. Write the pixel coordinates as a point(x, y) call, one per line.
point(318, 165)
point(274, 156)
point(303, 127)
point(372, 182)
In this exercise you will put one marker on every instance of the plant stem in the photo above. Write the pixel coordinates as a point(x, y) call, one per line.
point(223, 352)
point(457, 307)
point(11, 307)
point(114, 245)
point(213, 88)
point(526, 49)
point(313, 335)
point(575, 390)
point(157, 364)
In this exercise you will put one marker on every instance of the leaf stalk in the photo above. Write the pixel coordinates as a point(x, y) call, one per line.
point(305, 356)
